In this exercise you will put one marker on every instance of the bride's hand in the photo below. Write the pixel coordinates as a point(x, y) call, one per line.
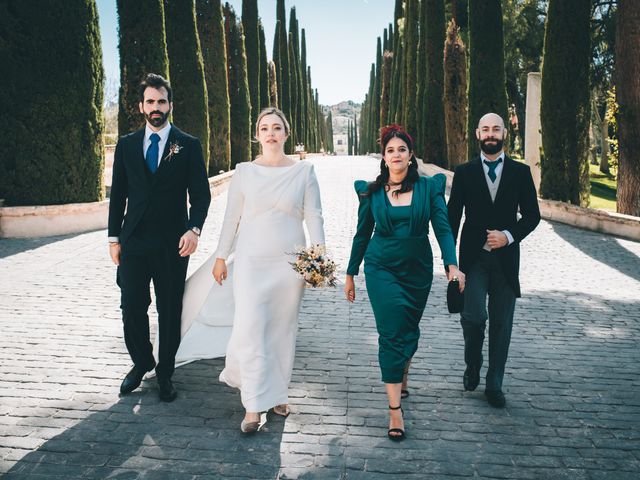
point(220, 270)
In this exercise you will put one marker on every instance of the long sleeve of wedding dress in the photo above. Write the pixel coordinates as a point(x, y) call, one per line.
point(312, 212)
point(232, 215)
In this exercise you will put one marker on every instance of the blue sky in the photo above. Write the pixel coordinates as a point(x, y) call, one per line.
point(341, 40)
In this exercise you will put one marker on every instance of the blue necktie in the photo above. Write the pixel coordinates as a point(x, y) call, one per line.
point(492, 169)
point(152, 153)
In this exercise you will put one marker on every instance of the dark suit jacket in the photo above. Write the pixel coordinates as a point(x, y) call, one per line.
point(470, 192)
point(157, 203)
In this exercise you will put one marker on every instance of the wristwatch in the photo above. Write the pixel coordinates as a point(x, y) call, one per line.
point(196, 230)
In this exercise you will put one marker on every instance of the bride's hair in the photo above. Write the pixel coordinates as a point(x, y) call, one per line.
point(272, 111)
point(386, 134)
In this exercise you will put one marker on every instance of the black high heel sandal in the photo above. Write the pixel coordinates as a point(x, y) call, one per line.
point(399, 432)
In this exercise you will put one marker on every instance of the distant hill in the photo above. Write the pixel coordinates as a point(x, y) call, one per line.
point(342, 113)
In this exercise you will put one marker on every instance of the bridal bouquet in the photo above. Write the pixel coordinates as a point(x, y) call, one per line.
point(317, 269)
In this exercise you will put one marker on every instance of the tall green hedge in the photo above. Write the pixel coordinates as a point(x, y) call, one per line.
point(143, 49)
point(238, 89)
point(487, 87)
point(252, 49)
point(264, 71)
point(434, 147)
point(410, 81)
point(51, 97)
point(214, 56)
point(190, 103)
point(565, 107)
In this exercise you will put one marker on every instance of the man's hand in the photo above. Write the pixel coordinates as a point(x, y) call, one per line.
point(114, 251)
point(496, 239)
point(188, 243)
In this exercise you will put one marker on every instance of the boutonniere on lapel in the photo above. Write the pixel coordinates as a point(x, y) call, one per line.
point(174, 149)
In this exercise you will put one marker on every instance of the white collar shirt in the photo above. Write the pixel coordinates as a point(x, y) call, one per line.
point(164, 136)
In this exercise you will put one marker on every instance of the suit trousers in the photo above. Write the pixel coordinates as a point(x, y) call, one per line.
point(486, 278)
point(146, 258)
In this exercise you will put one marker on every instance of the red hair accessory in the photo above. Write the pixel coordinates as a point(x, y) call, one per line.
point(389, 131)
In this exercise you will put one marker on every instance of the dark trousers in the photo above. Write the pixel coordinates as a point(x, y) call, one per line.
point(142, 260)
point(484, 278)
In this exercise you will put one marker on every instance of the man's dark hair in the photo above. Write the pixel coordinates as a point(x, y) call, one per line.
point(156, 81)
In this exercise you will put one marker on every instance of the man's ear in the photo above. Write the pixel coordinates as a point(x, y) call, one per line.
point(140, 107)
point(477, 133)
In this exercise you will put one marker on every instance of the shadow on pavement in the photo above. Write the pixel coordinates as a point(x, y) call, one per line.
point(141, 437)
point(601, 247)
point(13, 246)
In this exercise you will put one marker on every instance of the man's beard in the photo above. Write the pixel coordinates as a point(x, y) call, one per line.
point(157, 121)
point(491, 149)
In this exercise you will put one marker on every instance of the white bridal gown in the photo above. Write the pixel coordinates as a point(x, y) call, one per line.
point(253, 316)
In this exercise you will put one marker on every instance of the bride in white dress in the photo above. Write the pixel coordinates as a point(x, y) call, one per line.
point(268, 201)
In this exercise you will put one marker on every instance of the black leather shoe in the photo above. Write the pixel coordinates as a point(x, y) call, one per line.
point(167, 392)
point(132, 380)
point(495, 398)
point(471, 378)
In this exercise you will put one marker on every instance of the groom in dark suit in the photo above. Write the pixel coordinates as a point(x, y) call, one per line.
point(153, 171)
point(491, 189)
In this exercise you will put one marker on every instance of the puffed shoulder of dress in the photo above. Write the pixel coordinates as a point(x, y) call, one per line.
point(361, 187)
point(437, 184)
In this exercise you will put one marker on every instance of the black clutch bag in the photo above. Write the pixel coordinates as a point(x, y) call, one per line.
point(455, 299)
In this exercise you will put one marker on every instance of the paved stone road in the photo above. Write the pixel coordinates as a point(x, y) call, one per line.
point(572, 384)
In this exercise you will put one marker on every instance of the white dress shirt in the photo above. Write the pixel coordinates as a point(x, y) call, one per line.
point(493, 186)
point(164, 135)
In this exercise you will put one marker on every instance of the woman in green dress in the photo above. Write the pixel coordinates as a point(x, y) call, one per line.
point(396, 209)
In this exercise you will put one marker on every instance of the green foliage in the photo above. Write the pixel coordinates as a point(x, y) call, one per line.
point(190, 103)
point(565, 103)
point(410, 79)
point(264, 71)
point(487, 91)
point(51, 97)
point(603, 190)
point(612, 119)
point(143, 49)
point(214, 55)
point(434, 147)
point(252, 49)
point(238, 89)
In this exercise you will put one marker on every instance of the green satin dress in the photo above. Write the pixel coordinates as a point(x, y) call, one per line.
point(398, 264)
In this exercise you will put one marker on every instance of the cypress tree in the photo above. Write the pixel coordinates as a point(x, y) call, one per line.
point(396, 79)
point(313, 133)
point(293, 78)
point(349, 138)
point(284, 71)
point(487, 90)
point(565, 107)
point(273, 85)
point(264, 71)
point(377, 89)
point(190, 103)
point(252, 49)
point(143, 49)
point(422, 82)
point(387, 65)
point(305, 88)
point(51, 96)
point(276, 61)
point(238, 89)
point(330, 131)
point(410, 81)
point(385, 41)
point(214, 55)
point(628, 98)
point(300, 105)
point(434, 150)
point(355, 133)
point(455, 96)
point(369, 122)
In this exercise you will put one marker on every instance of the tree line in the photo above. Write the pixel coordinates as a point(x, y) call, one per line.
point(53, 85)
point(442, 64)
